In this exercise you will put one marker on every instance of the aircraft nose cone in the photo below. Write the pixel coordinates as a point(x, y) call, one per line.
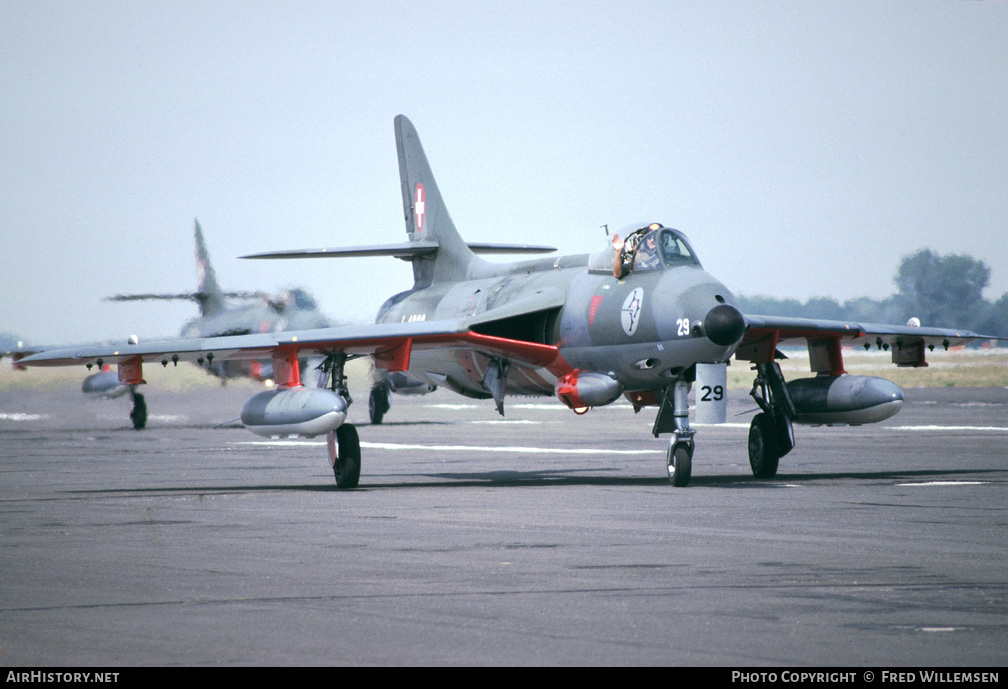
point(724, 325)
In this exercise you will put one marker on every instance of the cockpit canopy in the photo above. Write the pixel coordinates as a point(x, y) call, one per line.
point(303, 300)
point(652, 247)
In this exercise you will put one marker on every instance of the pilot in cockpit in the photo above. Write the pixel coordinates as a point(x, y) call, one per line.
point(645, 252)
point(654, 247)
point(618, 245)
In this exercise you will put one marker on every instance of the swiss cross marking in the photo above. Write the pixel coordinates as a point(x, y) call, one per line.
point(418, 207)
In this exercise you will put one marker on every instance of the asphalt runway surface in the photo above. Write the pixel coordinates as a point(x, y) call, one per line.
point(539, 538)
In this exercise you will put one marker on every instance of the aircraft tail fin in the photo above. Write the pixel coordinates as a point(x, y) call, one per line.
point(427, 218)
point(435, 249)
point(208, 292)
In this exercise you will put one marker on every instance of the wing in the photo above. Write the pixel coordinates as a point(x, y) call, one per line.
point(826, 339)
point(16, 355)
point(391, 345)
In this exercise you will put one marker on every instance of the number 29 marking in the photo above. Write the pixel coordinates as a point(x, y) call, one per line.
point(712, 394)
point(682, 325)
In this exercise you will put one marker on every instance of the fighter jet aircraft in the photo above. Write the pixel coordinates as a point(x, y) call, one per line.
point(221, 313)
point(640, 318)
point(237, 313)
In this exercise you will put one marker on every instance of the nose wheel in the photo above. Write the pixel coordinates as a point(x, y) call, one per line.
point(680, 463)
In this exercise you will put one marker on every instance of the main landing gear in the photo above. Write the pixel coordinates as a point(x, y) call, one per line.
point(138, 414)
point(343, 444)
point(771, 435)
point(344, 456)
point(379, 402)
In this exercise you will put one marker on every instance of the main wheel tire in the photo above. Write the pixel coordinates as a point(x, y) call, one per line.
point(346, 468)
point(785, 435)
point(378, 403)
point(680, 464)
point(763, 449)
point(138, 415)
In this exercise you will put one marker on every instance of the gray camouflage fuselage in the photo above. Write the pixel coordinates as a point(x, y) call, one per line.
point(643, 330)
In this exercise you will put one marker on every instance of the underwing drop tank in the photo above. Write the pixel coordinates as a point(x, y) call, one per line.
point(104, 384)
point(294, 412)
point(580, 390)
point(844, 399)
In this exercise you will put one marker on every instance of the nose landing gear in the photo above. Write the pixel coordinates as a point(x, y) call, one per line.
point(680, 461)
point(679, 458)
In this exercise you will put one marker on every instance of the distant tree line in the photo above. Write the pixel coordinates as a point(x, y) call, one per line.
point(941, 291)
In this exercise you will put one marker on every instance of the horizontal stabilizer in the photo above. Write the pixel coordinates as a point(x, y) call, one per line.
point(406, 251)
point(480, 248)
point(186, 296)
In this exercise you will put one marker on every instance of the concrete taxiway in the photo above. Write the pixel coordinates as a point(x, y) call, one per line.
point(537, 538)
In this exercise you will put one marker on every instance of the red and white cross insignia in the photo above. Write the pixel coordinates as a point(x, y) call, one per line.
point(418, 206)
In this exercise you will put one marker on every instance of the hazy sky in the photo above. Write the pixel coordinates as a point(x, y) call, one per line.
point(804, 147)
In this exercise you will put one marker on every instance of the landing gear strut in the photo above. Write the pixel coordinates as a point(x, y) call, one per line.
point(771, 435)
point(679, 458)
point(343, 444)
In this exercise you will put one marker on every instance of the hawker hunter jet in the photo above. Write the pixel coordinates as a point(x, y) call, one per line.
point(221, 313)
point(237, 313)
point(639, 318)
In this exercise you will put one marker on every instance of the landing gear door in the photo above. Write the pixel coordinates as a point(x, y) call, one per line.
point(711, 393)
